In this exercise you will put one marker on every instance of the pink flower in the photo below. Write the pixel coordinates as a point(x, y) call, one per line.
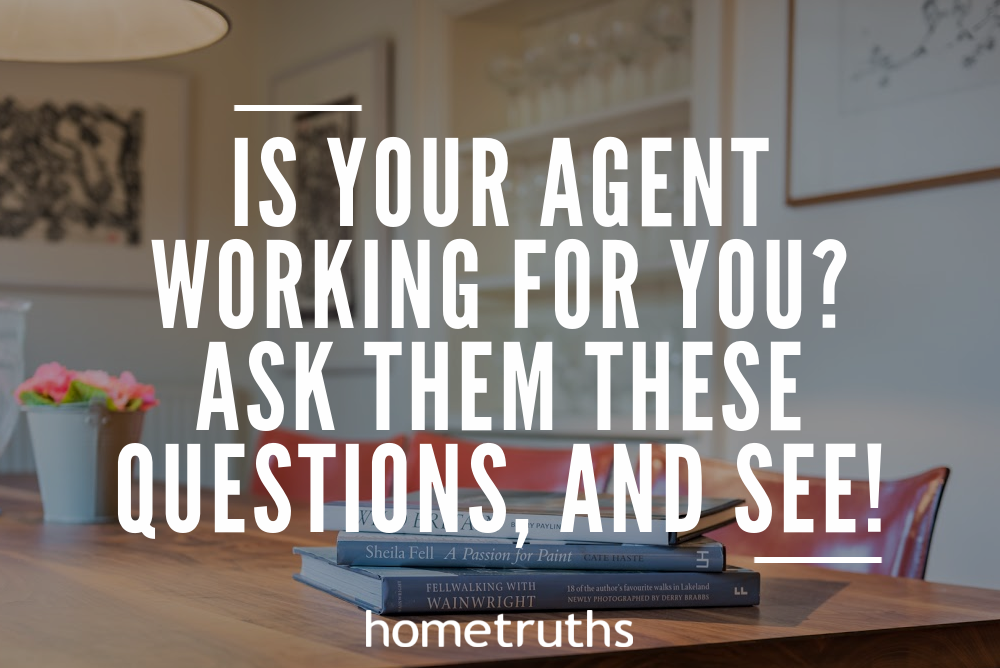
point(50, 380)
point(99, 379)
point(126, 389)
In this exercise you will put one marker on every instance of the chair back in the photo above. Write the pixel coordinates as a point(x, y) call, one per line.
point(535, 469)
point(907, 510)
point(295, 479)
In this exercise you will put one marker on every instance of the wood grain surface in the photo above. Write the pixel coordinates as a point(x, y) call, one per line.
point(98, 596)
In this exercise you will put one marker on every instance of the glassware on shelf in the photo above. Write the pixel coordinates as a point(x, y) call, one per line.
point(536, 200)
point(524, 198)
point(509, 72)
point(675, 191)
point(592, 233)
point(670, 21)
point(541, 62)
point(622, 39)
point(596, 58)
point(663, 199)
point(519, 206)
point(577, 51)
point(634, 232)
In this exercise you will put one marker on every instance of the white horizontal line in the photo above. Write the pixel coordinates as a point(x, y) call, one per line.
point(817, 560)
point(296, 107)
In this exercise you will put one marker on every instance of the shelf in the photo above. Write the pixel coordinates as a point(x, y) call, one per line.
point(518, 13)
point(665, 269)
point(643, 117)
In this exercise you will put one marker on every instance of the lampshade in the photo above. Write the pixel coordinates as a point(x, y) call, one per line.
point(79, 31)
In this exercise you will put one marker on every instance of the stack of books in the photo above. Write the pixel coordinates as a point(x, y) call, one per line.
point(410, 572)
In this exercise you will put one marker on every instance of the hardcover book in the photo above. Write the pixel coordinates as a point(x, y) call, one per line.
point(423, 591)
point(543, 511)
point(425, 551)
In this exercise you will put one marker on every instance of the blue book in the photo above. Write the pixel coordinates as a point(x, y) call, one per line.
point(457, 551)
point(544, 511)
point(393, 591)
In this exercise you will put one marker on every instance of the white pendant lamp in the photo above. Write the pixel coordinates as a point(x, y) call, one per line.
point(86, 31)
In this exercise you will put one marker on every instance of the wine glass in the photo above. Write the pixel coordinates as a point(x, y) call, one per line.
point(541, 63)
point(12, 316)
point(509, 72)
point(577, 49)
point(669, 21)
point(621, 36)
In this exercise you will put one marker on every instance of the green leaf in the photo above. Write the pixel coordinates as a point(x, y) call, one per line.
point(81, 393)
point(32, 398)
point(134, 404)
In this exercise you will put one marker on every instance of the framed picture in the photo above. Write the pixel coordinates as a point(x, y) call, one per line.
point(92, 168)
point(356, 76)
point(886, 96)
point(317, 195)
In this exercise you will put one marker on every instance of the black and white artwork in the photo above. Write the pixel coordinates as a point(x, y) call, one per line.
point(900, 51)
point(317, 194)
point(71, 172)
point(886, 96)
point(340, 96)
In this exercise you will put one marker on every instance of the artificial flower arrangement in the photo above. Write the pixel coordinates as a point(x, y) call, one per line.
point(55, 385)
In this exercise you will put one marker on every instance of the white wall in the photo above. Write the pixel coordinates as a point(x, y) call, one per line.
point(118, 331)
point(911, 362)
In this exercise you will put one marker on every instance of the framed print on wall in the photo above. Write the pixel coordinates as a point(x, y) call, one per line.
point(92, 168)
point(317, 196)
point(355, 76)
point(886, 96)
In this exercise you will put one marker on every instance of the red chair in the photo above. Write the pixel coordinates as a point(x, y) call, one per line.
point(295, 479)
point(907, 509)
point(527, 469)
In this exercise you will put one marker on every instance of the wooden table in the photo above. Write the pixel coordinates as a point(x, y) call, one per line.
point(98, 596)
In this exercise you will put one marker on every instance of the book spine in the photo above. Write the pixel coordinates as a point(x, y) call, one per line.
point(540, 528)
point(370, 551)
point(538, 591)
